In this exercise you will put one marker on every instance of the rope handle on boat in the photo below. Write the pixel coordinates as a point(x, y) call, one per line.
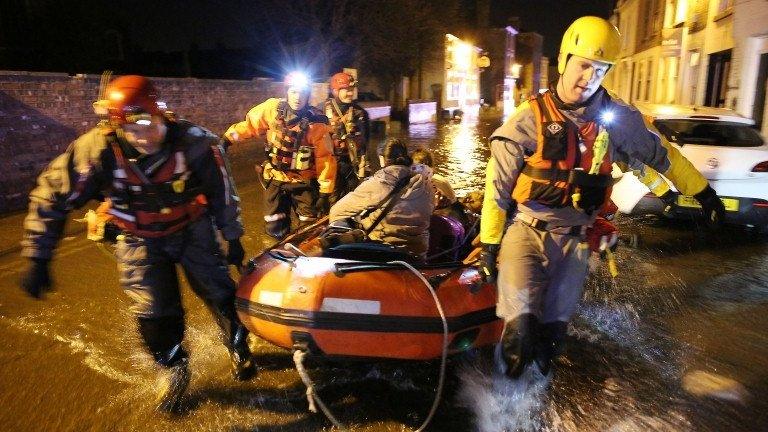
point(312, 396)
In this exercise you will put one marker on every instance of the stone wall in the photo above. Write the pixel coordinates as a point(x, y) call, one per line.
point(41, 113)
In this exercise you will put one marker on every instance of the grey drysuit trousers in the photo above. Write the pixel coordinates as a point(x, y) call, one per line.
point(541, 273)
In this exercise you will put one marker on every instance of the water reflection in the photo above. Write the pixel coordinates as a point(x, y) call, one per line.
point(460, 150)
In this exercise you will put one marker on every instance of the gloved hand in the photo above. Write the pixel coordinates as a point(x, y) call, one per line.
point(235, 253)
point(669, 199)
point(323, 205)
point(714, 210)
point(602, 236)
point(225, 142)
point(37, 279)
point(486, 262)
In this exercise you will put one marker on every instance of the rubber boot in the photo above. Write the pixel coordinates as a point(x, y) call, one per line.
point(517, 343)
point(278, 229)
point(236, 341)
point(162, 337)
point(172, 381)
point(550, 344)
point(243, 366)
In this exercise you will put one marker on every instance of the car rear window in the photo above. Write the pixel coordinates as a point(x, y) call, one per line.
point(715, 133)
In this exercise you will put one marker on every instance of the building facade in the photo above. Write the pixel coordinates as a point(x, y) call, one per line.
point(749, 65)
point(675, 51)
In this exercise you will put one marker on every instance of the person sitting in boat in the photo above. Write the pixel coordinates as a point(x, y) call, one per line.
point(444, 195)
point(396, 202)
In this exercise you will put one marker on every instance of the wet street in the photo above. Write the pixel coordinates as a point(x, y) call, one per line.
point(678, 342)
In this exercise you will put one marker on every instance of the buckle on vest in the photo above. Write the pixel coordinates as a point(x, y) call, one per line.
point(178, 186)
point(554, 128)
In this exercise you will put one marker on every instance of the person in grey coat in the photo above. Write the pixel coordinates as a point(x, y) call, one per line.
point(407, 222)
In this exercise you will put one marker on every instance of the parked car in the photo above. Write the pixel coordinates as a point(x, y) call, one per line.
point(725, 147)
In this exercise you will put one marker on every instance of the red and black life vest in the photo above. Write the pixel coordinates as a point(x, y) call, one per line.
point(159, 203)
point(346, 129)
point(558, 173)
point(291, 151)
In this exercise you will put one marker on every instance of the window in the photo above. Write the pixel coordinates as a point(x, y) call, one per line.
point(672, 65)
point(708, 132)
point(648, 81)
point(724, 5)
point(662, 88)
point(694, 58)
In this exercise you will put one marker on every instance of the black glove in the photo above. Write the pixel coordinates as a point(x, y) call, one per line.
point(714, 210)
point(225, 142)
point(486, 263)
point(670, 201)
point(37, 279)
point(235, 253)
point(323, 205)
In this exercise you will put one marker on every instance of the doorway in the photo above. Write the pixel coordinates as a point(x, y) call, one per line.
point(717, 78)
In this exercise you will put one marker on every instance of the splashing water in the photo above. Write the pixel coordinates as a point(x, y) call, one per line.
point(502, 404)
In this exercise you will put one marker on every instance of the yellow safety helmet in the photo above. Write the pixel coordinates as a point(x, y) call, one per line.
point(591, 37)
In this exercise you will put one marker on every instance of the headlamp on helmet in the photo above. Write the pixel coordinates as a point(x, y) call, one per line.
point(129, 99)
point(342, 80)
point(297, 80)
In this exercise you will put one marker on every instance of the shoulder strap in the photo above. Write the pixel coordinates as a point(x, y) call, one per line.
point(392, 197)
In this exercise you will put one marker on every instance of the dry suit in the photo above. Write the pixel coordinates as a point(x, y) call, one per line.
point(540, 197)
point(168, 205)
point(300, 162)
point(350, 133)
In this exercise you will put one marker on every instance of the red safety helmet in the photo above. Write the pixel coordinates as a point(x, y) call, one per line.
point(342, 80)
point(127, 99)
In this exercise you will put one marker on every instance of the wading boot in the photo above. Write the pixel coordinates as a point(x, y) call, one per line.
point(243, 366)
point(550, 344)
point(172, 382)
point(517, 343)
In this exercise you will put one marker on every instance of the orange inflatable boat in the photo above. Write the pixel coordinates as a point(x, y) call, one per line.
point(356, 301)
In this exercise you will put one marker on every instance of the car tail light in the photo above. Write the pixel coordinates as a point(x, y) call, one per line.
point(761, 167)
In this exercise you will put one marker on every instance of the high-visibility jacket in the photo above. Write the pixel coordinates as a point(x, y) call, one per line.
point(299, 144)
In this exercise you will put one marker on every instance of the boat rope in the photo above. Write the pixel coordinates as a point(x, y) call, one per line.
point(312, 396)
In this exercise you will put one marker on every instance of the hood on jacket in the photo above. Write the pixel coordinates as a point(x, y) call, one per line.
point(392, 174)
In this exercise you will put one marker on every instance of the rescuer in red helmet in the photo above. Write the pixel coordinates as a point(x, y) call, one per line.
point(350, 132)
point(169, 190)
point(300, 172)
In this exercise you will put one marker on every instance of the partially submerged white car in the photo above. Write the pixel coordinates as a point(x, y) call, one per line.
point(724, 147)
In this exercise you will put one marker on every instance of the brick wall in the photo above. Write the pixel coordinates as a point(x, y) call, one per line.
point(41, 113)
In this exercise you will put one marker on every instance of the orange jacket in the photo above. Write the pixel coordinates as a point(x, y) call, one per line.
point(262, 121)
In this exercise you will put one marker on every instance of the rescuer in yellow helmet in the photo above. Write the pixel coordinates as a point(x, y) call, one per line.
point(549, 173)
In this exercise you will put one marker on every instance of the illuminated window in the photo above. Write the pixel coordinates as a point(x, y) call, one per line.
point(648, 81)
point(724, 5)
point(662, 89)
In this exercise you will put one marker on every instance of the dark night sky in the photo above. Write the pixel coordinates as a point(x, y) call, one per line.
point(178, 25)
point(232, 23)
point(548, 17)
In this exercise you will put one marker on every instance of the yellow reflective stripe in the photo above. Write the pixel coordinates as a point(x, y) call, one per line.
point(653, 180)
point(686, 178)
point(493, 217)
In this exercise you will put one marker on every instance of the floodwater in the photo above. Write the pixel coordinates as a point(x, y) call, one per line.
point(678, 342)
